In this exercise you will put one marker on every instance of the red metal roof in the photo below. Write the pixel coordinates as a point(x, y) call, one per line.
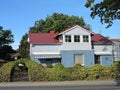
point(43, 38)
point(116, 40)
point(99, 39)
point(50, 38)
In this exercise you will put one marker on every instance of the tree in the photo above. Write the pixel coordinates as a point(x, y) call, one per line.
point(24, 47)
point(6, 38)
point(107, 10)
point(6, 51)
point(57, 22)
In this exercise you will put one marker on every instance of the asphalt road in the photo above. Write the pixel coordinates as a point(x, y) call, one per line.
point(63, 88)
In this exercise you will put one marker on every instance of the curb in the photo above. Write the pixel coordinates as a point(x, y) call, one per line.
point(63, 83)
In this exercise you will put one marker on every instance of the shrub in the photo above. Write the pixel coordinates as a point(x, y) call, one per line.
point(36, 72)
point(59, 66)
point(115, 69)
point(99, 72)
point(95, 72)
point(5, 72)
point(106, 73)
point(78, 72)
point(57, 73)
point(49, 66)
point(18, 68)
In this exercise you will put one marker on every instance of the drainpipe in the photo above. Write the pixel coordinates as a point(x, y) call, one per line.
point(113, 51)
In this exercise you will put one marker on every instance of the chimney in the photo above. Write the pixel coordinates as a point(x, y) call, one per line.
point(52, 32)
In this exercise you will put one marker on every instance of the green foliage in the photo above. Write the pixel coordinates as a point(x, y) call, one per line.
point(5, 51)
point(18, 68)
point(95, 72)
point(116, 70)
point(99, 72)
point(49, 66)
point(24, 47)
point(78, 72)
point(57, 22)
point(58, 66)
point(5, 72)
point(107, 10)
point(36, 72)
point(57, 73)
point(6, 37)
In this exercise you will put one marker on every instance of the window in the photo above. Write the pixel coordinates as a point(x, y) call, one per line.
point(85, 38)
point(76, 38)
point(67, 38)
point(79, 59)
point(97, 59)
point(48, 61)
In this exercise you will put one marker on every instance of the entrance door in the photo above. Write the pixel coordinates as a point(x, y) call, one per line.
point(79, 59)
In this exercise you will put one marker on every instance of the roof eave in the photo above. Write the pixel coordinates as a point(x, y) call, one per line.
point(47, 43)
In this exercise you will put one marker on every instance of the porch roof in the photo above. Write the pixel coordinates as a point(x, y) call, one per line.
point(103, 53)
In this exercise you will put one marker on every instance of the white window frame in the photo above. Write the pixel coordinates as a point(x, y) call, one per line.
point(78, 39)
point(86, 40)
point(67, 39)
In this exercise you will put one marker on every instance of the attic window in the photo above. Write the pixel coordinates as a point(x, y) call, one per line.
point(76, 38)
point(85, 38)
point(67, 38)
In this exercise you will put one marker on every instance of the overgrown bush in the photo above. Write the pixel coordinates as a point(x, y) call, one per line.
point(36, 72)
point(78, 72)
point(99, 72)
point(57, 73)
point(5, 72)
point(116, 70)
point(95, 72)
point(49, 66)
point(106, 73)
point(17, 66)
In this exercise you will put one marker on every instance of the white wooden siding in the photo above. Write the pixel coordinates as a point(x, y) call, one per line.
point(103, 49)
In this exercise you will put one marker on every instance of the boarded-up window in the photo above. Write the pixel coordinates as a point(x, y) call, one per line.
point(79, 59)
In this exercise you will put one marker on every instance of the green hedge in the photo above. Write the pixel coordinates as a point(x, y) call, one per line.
point(18, 68)
point(99, 72)
point(37, 72)
point(5, 72)
point(57, 73)
point(116, 70)
point(78, 72)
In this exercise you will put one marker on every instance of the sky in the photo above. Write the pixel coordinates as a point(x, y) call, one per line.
point(20, 15)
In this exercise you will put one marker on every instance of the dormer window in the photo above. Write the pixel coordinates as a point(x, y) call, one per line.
point(77, 38)
point(85, 38)
point(67, 38)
